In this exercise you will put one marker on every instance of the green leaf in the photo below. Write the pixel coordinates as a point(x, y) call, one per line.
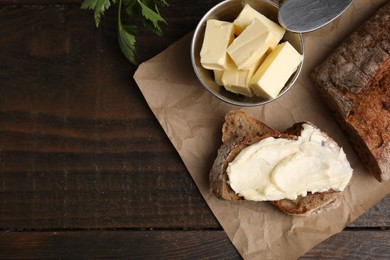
point(162, 2)
point(151, 15)
point(126, 39)
point(98, 6)
point(131, 8)
point(147, 9)
point(156, 30)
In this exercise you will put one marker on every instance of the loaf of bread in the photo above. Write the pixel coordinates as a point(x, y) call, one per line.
point(355, 83)
point(241, 130)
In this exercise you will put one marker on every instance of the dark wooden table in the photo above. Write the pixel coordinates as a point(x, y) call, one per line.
point(85, 168)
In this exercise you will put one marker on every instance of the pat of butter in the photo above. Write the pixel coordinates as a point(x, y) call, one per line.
point(237, 81)
point(275, 71)
point(218, 36)
point(248, 14)
point(275, 169)
point(248, 48)
point(218, 76)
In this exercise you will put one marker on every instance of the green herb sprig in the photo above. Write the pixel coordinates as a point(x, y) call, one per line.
point(147, 9)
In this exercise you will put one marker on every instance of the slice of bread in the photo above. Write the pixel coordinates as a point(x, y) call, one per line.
point(239, 124)
point(354, 81)
point(241, 130)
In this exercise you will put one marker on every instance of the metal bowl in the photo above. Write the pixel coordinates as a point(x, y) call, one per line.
point(227, 11)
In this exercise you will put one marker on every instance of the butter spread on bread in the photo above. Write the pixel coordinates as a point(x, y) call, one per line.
point(280, 168)
point(241, 130)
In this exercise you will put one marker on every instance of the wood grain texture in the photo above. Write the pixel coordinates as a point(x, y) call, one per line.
point(117, 244)
point(376, 216)
point(363, 244)
point(80, 149)
point(167, 244)
point(79, 146)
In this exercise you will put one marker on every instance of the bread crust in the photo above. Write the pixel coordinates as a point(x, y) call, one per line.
point(355, 83)
point(239, 124)
point(238, 140)
point(310, 204)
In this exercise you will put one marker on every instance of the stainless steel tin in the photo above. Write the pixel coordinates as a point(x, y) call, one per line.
point(227, 11)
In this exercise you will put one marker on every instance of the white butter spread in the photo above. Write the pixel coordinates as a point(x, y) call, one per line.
point(275, 169)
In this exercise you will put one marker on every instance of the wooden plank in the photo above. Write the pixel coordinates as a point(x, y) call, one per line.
point(79, 146)
point(210, 244)
point(376, 216)
point(362, 244)
point(117, 244)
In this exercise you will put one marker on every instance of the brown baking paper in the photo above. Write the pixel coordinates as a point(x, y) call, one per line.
point(192, 119)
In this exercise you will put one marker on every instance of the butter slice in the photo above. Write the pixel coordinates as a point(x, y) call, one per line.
point(237, 81)
point(248, 48)
point(218, 76)
point(248, 14)
point(218, 36)
point(275, 71)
